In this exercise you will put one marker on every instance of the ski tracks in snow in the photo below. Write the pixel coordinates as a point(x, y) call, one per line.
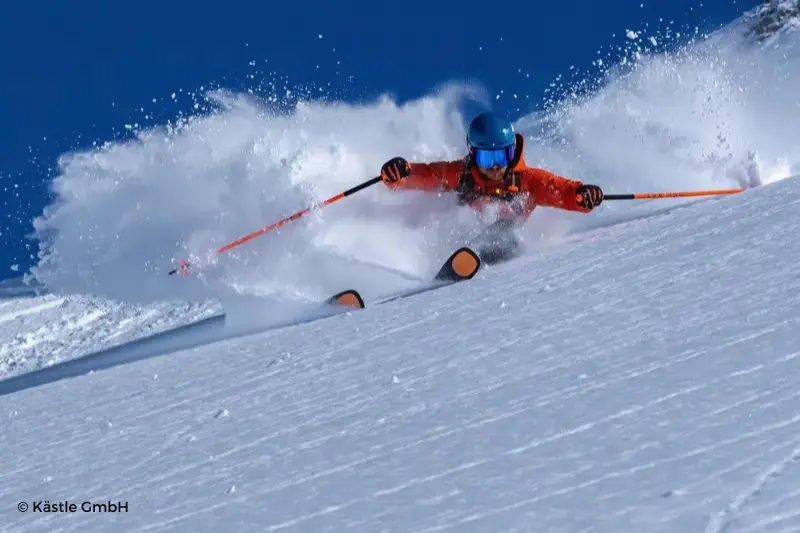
point(559, 437)
point(724, 521)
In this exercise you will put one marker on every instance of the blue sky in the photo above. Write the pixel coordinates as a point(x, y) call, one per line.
point(73, 73)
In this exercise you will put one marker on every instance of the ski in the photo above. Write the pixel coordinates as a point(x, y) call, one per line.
point(462, 265)
point(349, 298)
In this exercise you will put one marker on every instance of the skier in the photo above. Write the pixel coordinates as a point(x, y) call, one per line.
point(494, 173)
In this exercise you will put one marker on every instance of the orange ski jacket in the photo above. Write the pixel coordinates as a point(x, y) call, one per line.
point(523, 189)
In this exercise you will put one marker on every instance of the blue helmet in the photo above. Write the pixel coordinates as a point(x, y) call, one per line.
point(491, 141)
point(488, 131)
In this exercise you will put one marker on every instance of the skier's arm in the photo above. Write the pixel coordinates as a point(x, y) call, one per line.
point(552, 190)
point(437, 176)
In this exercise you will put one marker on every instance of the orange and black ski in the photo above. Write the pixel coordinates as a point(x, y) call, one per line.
point(349, 298)
point(462, 265)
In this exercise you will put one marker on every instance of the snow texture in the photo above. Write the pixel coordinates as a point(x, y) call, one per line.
point(37, 332)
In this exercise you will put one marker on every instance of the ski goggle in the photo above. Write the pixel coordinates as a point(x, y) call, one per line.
point(493, 158)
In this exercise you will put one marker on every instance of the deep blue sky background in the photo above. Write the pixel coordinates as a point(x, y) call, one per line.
point(75, 72)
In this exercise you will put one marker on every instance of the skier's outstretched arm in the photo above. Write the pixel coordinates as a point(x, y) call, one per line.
point(397, 173)
point(552, 190)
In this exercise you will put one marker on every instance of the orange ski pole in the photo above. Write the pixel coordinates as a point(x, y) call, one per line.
point(184, 266)
point(656, 195)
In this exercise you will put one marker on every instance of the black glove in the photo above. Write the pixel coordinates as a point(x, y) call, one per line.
point(589, 196)
point(395, 169)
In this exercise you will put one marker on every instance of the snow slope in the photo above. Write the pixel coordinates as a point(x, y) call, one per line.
point(643, 377)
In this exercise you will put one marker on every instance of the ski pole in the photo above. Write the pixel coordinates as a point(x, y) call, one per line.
point(681, 194)
point(275, 225)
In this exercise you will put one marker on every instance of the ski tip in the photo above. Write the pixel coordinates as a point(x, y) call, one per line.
point(463, 264)
point(349, 298)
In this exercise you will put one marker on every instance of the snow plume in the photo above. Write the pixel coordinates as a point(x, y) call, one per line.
point(126, 210)
point(717, 112)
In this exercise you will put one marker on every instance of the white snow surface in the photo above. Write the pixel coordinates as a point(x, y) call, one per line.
point(38, 332)
point(637, 369)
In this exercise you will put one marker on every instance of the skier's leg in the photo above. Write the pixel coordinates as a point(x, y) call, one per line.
point(497, 243)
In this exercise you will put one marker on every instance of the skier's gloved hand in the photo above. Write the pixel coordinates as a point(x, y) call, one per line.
point(589, 196)
point(395, 169)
